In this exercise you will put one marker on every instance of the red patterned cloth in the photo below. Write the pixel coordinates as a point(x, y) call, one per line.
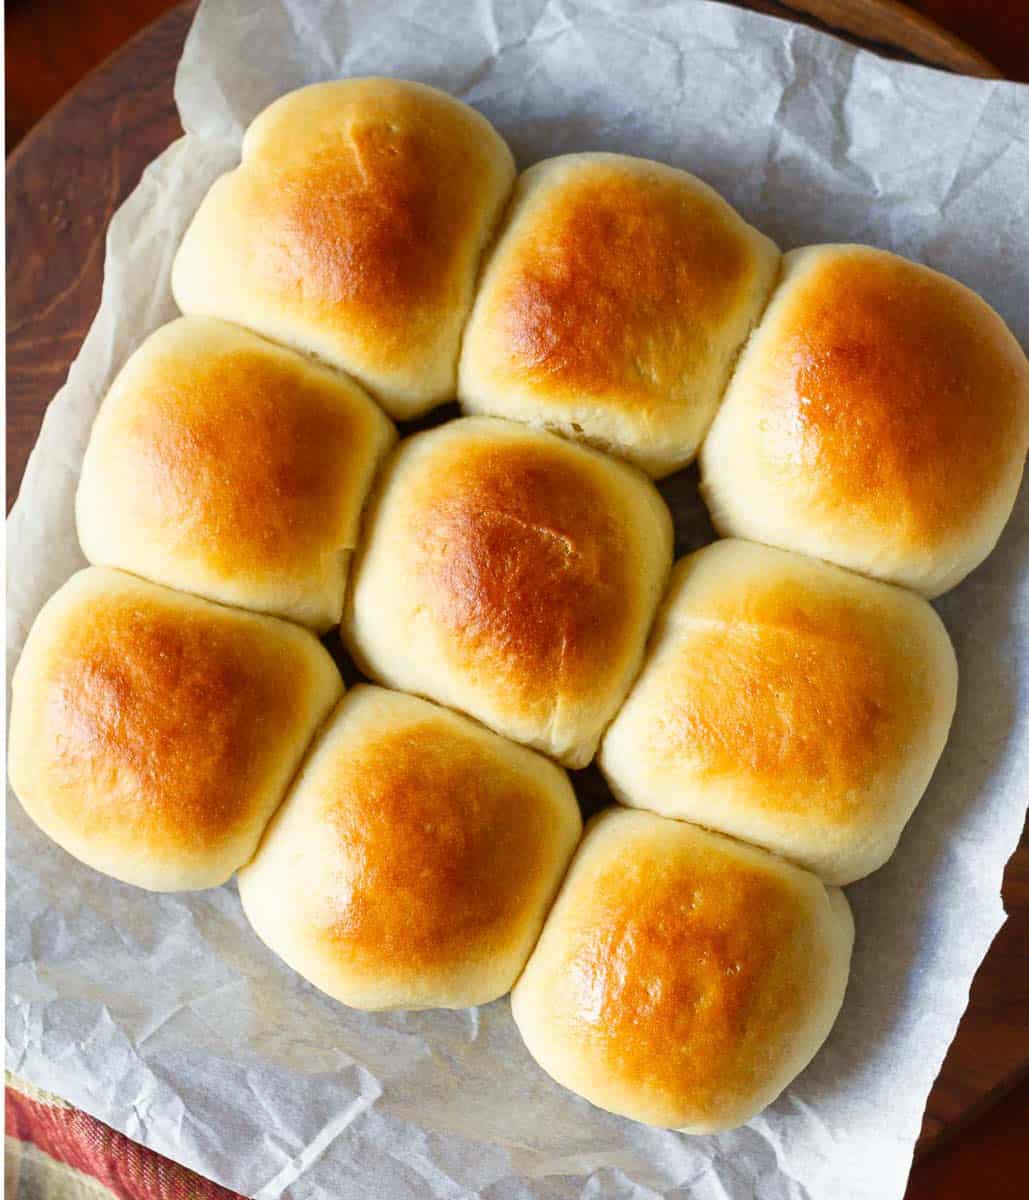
point(55, 1152)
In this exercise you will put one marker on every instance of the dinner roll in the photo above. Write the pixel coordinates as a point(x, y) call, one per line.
point(513, 575)
point(414, 860)
point(223, 465)
point(614, 305)
point(153, 734)
point(879, 418)
point(682, 979)
point(789, 703)
point(352, 230)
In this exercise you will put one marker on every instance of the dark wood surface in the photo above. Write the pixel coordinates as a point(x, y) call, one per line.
point(65, 180)
point(890, 27)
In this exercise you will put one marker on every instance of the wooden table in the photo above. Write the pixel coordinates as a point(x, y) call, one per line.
point(66, 179)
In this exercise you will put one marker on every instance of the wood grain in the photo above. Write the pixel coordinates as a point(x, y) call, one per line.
point(902, 28)
point(999, 29)
point(53, 44)
point(63, 184)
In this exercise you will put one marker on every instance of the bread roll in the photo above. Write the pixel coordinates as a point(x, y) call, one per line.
point(414, 859)
point(153, 734)
point(879, 418)
point(510, 574)
point(352, 231)
point(789, 703)
point(682, 979)
point(613, 307)
point(226, 466)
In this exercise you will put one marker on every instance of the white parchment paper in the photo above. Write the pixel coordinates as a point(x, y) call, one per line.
point(165, 1016)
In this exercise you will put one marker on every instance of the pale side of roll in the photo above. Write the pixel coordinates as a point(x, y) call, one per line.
point(613, 307)
point(789, 703)
point(352, 231)
point(513, 575)
point(224, 465)
point(878, 418)
point(153, 734)
point(414, 860)
point(682, 979)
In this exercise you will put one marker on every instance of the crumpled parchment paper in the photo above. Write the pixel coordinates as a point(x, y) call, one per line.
point(165, 1016)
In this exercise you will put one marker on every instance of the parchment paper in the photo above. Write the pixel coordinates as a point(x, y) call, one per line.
point(165, 1016)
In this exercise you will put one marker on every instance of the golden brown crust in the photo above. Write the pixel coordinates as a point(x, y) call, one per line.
point(178, 711)
point(789, 703)
point(525, 564)
point(889, 383)
point(154, 733)
point(239, 453)
point(619, 285)
point(803, 691)
point(510, 574)
point(441, 850)
point(612, 307)
point(352, 230)
point(362, 211)
point(414, 859)
point(687, 966)
point(367, 230)
point(681, 978)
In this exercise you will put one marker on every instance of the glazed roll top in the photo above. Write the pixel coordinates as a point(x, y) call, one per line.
point(224, 465)
point(352, 230)
point(789, 703)
point(878, 418)
point(512, 575)
point(613, 307)
point(682, 979)
point(415, 858)
point(153, 734)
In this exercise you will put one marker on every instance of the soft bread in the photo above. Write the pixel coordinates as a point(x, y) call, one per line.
point(511, 574)
point(414, 860)
point(613, 306)
point(682, 979)
point(789, 703)
point(352, 231)
point(229, 467)
point(879, 418)
point(153, 734)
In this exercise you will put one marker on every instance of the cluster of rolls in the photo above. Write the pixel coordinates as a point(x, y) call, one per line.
point(768, 711)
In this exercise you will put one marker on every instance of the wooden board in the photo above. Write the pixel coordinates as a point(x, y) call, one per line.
point(65, 181)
